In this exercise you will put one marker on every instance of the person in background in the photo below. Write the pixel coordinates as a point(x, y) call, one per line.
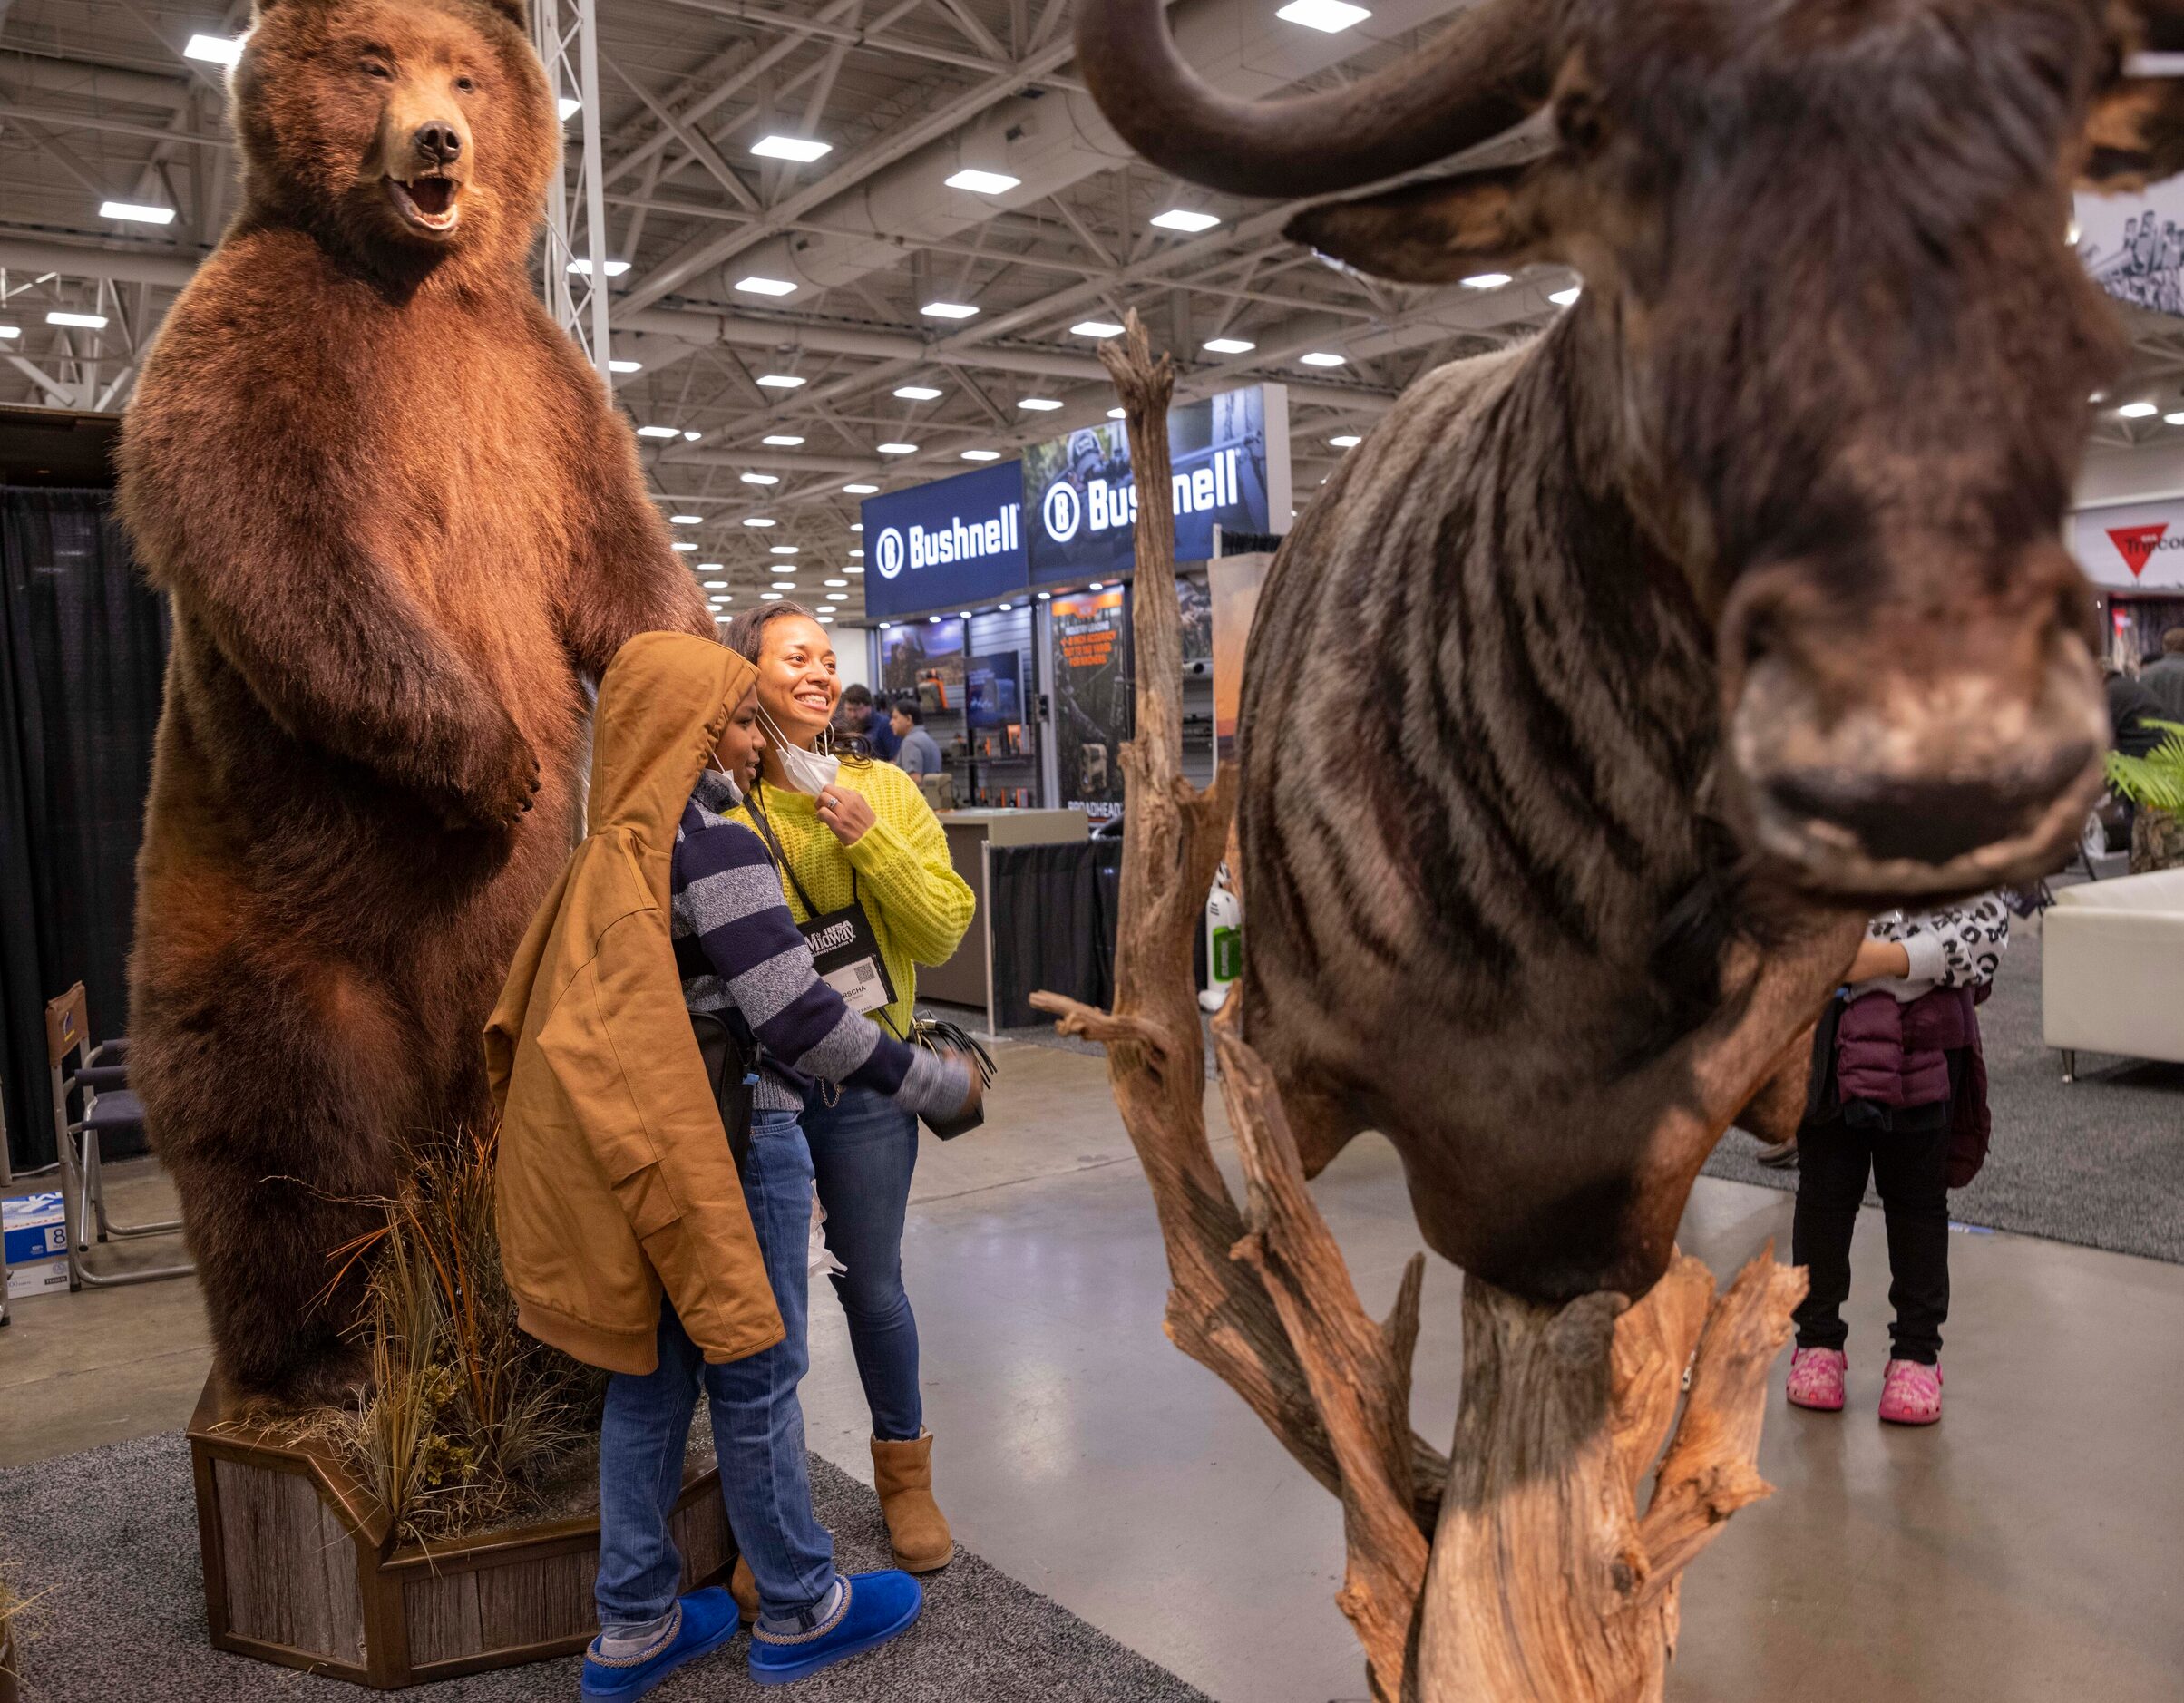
point(1898, 1081)
point(915, 751)
point(2130, 708)
point(854, 719)
point(882, 735)
point(2164, 679)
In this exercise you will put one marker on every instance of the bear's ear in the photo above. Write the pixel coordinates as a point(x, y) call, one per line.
point(517, 12)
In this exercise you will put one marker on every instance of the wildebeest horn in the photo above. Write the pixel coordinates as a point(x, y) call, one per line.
point(1486, 72)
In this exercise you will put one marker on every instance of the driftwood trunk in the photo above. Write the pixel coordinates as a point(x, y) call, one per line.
point(1534, 1569)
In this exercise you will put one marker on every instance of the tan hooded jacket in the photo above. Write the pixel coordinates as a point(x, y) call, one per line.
point(615, 1179)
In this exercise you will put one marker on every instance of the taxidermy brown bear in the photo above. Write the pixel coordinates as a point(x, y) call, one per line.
point(397, 519)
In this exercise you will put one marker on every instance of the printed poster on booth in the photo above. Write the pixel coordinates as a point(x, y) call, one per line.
point(1094, 698)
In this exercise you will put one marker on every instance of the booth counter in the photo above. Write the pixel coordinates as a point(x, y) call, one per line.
point(966, 979)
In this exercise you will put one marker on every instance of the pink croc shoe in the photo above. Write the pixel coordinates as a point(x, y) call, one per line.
point(1816, 1379)
point(1910, 1392)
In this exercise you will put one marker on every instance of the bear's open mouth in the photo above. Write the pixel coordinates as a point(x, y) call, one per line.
point(426, 202)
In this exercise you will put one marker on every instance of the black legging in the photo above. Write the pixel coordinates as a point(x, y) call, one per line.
point(1910, 1170)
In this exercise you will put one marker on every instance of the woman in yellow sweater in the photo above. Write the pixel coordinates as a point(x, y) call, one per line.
point(859, 848)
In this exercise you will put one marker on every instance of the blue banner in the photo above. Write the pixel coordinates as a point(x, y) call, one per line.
point(953, 544)
point(1229, 456)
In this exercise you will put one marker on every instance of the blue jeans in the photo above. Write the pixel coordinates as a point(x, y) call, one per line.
point(757, 1425)
point(864, 1149)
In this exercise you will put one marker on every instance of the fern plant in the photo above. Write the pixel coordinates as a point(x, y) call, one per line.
point(2155, 780)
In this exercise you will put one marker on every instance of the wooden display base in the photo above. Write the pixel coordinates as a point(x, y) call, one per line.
point(301, 1567)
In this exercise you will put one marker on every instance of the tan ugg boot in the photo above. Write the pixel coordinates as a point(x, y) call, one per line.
point(902, 1474)
point(744, 1589)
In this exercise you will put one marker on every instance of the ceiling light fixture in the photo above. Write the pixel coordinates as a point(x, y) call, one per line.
point(834, 582)
point(137, 212)
point(84, 322)
point(625, 366)
point(769, 596)
point(861, 490)
point(1229, 345)
point(761, 479)
point(780, 381)
point(982, 183)
point(658, 431)
point(1118, 413)
point(781, 441)
point(214, 50)
point(612, 269)
point(1097, 328)
point(896, 449)
point(784, 550)
point(784, 585)
point(1320, 358)
point(1348, 441)
point(567, 107)
point(1040, 404)
point(2172, 419)
point(1181, 219)
point(11, 330)
point(917, 392)
point(949, 310)
point(1330, 17)
point(757, 519)
point(803, 150)
point(682, 544)
point(756, 285)
point(982, 455)
point(2138, 410)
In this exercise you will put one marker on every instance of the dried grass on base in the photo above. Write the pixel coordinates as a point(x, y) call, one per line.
point(469, 1424)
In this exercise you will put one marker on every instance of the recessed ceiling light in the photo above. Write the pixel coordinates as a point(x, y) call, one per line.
point(1094, 328)
point(780, 381)
point(761, 479)
point(982, 183)
point(625, 366)
point(214, 50)
point(855, 568)
point(2172, 419)
point(757, 519)
point(1040, 404)
point(861, 490)
point(982, 455)
point(756, 285)
point(1181, 219)
point(802, 149)
point(11, 330)
point(834, 582)
point(612, 269)
point(137, 212)
point(692, 437)
point(567, 107)
point(1118, 413)
point(2138, 410)
point(1330, 17)
point(784, 550)
point(857, 552)
point(1348, 441)
point(87, 322)
point(781, 441)
point(837, 596)
point(784, 585)
point(917, 392)
point(686, 519)
point(1563, 298)
point(769, 596)
point(896, 449)
point(825, 620)
point(948, 310)
point(1486, 280)
point(1229, 345)
point(658, 431)
point(680, 544)
point(1320, 358)
point(857, 526)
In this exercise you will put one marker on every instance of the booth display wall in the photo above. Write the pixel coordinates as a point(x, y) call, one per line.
point(83, 651)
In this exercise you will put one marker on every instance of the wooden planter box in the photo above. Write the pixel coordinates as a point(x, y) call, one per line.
point(301, 1567)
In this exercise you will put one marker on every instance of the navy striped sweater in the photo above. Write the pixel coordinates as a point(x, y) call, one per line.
point(727, 897)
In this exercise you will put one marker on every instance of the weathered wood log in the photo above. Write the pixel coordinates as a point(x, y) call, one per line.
point(1544, 1583)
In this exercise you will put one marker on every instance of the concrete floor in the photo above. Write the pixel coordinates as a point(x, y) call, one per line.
point(2030, 1547)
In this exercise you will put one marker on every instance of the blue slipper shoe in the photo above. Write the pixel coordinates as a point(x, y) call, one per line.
point(877, 1606)
point(707, 1622)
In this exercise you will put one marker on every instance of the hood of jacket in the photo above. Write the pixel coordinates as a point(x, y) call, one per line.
point(615, 1182)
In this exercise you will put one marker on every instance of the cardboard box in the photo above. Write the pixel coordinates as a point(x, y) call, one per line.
point(35, 1228)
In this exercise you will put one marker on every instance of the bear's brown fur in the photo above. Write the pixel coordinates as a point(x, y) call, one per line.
point(396, 518)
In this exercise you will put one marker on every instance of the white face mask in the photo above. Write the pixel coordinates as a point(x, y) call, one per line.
point(807, 771)
point(735, 792)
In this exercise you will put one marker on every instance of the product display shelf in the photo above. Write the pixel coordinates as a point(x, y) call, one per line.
point(302, 1569)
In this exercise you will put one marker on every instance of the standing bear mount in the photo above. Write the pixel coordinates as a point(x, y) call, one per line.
point(1592, 704)
point(397, 519)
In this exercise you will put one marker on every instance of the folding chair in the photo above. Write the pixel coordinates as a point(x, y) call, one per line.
point(101, 1078)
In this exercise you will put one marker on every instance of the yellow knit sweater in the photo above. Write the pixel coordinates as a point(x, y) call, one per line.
point(919, 906)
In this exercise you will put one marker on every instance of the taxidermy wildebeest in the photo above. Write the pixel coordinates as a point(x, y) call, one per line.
point(1614, 677)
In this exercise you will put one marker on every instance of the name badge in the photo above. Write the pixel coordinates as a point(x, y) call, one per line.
point(846, 954)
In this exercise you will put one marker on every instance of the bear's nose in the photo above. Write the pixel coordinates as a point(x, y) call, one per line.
point(438, 144)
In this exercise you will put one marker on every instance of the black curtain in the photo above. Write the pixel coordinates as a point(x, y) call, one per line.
point(82, 647)
point(1053, 909)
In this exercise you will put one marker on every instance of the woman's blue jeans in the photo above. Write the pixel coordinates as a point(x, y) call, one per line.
point(757, 1425)
point(863, 1148)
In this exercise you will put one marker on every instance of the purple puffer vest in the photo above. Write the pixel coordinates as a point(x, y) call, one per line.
point(1897, 1054)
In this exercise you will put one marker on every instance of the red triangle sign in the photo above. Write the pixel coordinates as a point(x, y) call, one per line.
point(2135, 544)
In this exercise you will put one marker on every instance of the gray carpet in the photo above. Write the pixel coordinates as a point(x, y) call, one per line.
point(2099, 1162)
point(105, 1542)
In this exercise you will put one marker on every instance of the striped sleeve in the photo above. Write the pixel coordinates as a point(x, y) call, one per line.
point(728, 895)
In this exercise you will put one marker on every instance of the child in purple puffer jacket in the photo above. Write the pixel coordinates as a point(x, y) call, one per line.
point(1896, 1075)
